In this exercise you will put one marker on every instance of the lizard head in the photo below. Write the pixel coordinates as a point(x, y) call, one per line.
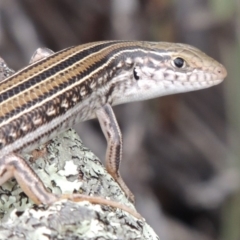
point(159, 69)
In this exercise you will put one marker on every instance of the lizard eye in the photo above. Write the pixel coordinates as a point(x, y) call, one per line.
point(179, 62)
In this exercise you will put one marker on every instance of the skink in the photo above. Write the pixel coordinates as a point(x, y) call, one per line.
point(83, 82)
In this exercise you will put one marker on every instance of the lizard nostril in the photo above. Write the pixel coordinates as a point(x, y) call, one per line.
point(221, 71)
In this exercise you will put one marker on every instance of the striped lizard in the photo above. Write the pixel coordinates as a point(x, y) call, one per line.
point(84, 82)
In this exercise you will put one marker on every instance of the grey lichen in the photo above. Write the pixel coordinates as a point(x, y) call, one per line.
point(66, 166)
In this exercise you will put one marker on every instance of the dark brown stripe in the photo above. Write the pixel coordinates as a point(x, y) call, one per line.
point(49, 72)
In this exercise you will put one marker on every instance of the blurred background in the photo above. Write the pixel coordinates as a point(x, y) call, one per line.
point(181, 153)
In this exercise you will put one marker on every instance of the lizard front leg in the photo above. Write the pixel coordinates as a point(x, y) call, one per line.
point(113, 136)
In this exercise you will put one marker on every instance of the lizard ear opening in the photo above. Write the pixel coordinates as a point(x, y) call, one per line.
point(135, 74)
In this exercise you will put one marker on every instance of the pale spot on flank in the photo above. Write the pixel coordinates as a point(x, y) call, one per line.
point(120, 64)
point(51, 111)
point(24, 127)
point(37, 121)
point(83, 91)
point(64, 104)
point(129, 61)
